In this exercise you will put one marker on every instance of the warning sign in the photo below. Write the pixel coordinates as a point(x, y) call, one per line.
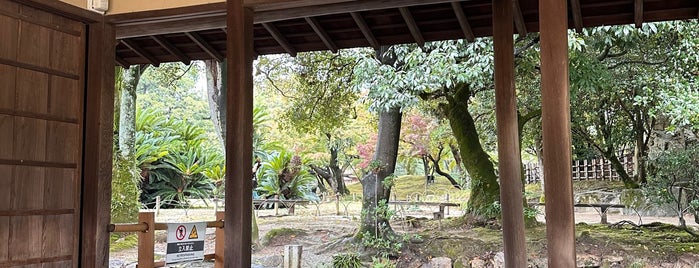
point(184, 242)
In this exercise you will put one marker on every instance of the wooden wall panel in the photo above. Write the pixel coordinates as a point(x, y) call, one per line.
point(6, 144)
point(7, 87)
point(65, 98)
point(8, 30)
point(63, 142)
point(31, 93)
point(30, 136)
point(35, 43)
point(42, 59)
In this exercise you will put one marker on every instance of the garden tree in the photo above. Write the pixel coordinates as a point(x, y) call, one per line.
point(674, 179)
point(457, 77)
point(618, 75)
point(284, 176)
point(125, 192)
point(377, 183)
point(127, 109)
point(320, 102)
point(216, 95)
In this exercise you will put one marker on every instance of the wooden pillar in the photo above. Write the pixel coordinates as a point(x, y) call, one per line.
point(146, 241)
point(99, 131)
point(219, 252)
point(508, 136)
point(238, 205)
point(555, 98)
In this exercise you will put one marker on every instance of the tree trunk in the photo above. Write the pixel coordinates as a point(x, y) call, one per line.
point(374, 189)
point(640, 148)
point(336, 171)
point(216, 95)
point(457, 157)
point(127, 109)
point(485, 190)
point(425, 165)
point(629, 182)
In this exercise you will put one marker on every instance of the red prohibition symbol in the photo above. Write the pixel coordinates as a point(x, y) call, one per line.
point(181, 232)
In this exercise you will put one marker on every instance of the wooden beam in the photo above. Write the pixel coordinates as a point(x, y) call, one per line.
point(322, 34)
point(239, 85)
point(508, 136)
point(171, 49)
point(184, 20)
point(555, 98)
point(638, 13)
point(463, 21)
point(519, 18)
point(412, 26)
point(338, 8)
point(97, 146)
point(140, 52)
point(205, 46)
point(123, 63)
point(280, 38)
point(366, 31)
point(577, 15)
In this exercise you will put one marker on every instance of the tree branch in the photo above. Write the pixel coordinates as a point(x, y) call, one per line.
point(439, 170)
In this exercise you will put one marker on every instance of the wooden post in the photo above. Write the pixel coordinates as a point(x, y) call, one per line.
point(239, 52)
point(555, 98)
point(447, 199)
point(99, 137)
point(508, 136)
point(146, 241)
point(292, 256)
point(219, 252)
point(157, 205)
point(337, 204)
point(276, 205)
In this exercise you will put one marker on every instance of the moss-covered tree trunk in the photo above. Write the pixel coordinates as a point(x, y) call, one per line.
point(336, 172)
point(127, 109)
point(376, 191)
point(485, 190)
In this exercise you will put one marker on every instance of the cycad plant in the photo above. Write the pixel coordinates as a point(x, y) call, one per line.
point(284, 175)
point(182, 176)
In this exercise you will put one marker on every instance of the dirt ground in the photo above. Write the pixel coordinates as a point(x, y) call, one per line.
point(315, 227)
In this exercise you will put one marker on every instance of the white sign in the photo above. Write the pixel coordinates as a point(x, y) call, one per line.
point(185, 242)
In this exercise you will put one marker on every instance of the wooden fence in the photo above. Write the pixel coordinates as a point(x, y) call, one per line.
point(146, 238)
point(589, 169)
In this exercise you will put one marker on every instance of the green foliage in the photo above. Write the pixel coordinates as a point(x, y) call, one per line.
point(285, 176)
point(182, 175)
point(346, 260)
point(125, 192)
point(385, 246)
point(675, 179)
point(382, 263)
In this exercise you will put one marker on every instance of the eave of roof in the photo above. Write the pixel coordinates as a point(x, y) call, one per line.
point(198, 32)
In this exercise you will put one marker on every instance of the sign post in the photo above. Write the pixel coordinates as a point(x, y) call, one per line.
point(185, 242)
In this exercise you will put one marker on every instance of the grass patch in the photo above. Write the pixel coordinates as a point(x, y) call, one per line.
point(409, 186)
point(119, 242)
point(656, 238)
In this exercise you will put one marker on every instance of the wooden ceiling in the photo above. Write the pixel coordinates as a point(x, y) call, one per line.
point(198, 33)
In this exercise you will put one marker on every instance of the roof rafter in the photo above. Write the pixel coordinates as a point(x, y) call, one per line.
point(141, 52)
point(412, 26)
point(364, 27)
point(519, 18)
point(280, 38)
point(171, 49)
point(123, 63)
point(322, 34)
point(463, 21)
point(638, 13)
point(577, 15)
point(201, 43)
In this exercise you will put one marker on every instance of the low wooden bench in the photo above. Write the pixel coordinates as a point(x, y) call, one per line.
point(289, 204)
point(602, 208)
point(437, 215)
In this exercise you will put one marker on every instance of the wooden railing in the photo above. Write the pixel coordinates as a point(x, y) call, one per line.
point(146, 227)
point(589, 169)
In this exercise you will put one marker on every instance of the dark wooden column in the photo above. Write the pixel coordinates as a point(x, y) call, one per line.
point(508, 136)
point(238, 219)
point(99, 136)
point(555, 98)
